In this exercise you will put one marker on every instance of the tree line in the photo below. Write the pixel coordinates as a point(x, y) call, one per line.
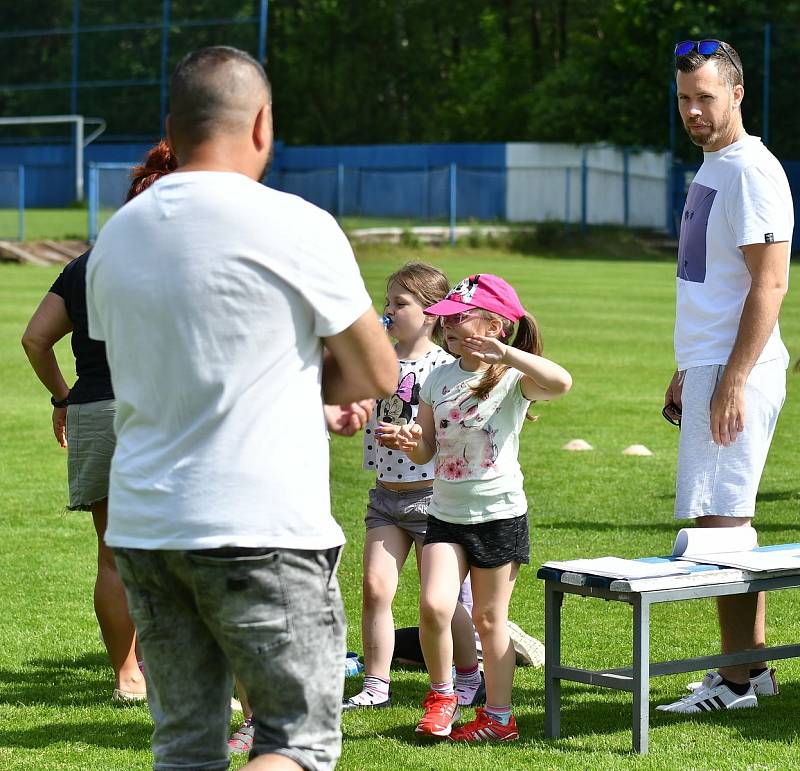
point(393, 71)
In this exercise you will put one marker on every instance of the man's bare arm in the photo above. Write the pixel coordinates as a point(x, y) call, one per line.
point(359, 363)
point(767, 264)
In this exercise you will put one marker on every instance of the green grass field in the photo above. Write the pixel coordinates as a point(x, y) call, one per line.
point(73, 223)
point(610, 323)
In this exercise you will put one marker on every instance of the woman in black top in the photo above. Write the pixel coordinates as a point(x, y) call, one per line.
point(83, 423)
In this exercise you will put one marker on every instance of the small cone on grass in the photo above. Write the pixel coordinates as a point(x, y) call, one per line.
point(577, 445)
point(637, 449)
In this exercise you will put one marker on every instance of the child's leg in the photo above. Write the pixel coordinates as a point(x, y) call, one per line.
point(385, 551)
point(465, 594)
point(491, 590)
point(465, 653)
point(247, 710)
point(241, 740)
point(469, 685)
point(444, 566)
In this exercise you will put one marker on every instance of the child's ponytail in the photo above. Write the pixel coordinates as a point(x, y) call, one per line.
point(528, 337)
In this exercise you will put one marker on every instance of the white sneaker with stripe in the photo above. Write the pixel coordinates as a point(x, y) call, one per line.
point(711, 699)
point(763, 685)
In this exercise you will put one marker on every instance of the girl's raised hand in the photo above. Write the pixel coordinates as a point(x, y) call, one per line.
point(488, 349)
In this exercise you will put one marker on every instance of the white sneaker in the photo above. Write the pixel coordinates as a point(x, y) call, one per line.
point(763, 685)
point(710, 699)
point(530, 652)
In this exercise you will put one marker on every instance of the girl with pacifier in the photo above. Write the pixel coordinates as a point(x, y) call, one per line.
point(397, 512)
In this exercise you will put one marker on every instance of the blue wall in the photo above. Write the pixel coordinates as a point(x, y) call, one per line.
point(396, 180)
point(393, 156)
point(50, 169)
point(377, 180)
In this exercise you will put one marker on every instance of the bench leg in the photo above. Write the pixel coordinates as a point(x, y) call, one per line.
point(552, 659)
point(641, 674)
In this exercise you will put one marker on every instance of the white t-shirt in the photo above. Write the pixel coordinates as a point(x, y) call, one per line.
point(401, 409)
point(478, 476)
point(212, 292)
point(740, 196)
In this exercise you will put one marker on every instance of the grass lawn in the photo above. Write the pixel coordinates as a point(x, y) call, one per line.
point(73, 223)
point(610, 323)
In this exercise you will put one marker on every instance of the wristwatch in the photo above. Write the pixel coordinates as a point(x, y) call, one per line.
point(59, 402)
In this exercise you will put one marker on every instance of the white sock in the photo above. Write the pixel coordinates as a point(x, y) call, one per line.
point(375, 691)
point(467, 684)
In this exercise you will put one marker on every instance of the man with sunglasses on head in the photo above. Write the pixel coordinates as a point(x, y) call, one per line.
point(733, 269)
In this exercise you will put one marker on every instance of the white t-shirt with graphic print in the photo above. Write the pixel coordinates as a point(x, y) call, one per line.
point(740, 196)
point(478, 476)
point(401, 409)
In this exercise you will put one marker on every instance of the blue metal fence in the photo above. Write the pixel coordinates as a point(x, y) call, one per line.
point(446, 193)
point(438, 193)
point(12, 202)
point(82, 57)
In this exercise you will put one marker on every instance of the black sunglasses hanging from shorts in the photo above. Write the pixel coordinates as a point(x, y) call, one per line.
point(706, 48)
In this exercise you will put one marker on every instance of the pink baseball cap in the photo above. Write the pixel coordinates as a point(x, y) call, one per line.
point(484, 291)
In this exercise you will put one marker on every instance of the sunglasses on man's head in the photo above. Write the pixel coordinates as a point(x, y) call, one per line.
point(705, 48)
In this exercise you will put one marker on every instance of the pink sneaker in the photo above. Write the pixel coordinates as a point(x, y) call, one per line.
point(485, 728)
point(242, 740)
point(440, 713)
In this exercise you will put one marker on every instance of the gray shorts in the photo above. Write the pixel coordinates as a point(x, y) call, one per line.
point(272, 616)
point(713, 480)
point(90, 446)
point(406, 509)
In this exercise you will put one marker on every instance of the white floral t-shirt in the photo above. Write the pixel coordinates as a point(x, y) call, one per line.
point(401, 409)
point(477, 473)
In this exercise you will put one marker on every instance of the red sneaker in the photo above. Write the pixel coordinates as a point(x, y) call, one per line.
point(440, 713)
point(484, 728)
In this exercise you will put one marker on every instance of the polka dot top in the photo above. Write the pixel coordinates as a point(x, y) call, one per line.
point(400, 409)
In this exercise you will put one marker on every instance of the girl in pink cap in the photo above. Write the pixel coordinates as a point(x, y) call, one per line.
point(470, 414)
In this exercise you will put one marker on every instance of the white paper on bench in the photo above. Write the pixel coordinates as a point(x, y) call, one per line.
point(757, 561)
point(691, 541)
point(614, 567)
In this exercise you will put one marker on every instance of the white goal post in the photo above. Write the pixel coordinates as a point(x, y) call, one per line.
point(80, 140)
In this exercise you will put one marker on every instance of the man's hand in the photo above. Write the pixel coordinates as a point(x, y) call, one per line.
point(727, 411)
point(60, 425)
point(672, 398)
point(348, 419)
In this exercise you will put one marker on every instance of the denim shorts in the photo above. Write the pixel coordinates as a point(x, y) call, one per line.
point(406, 509)
point(90, 447)
point(273, 617)
point(717, 480)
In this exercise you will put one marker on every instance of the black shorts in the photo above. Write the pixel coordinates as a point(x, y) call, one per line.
point(487, 544)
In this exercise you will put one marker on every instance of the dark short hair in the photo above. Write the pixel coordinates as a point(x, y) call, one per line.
point(196, 98)
point(729, 65)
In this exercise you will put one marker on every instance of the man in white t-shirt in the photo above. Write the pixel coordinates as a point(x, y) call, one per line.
point(215, 296)
point(730, 383)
